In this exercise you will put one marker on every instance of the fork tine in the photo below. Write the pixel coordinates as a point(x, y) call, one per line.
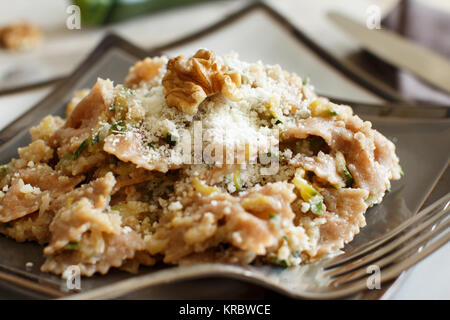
point(383, 250)
point(395, 256)
point(389, 273)
point(372, 245)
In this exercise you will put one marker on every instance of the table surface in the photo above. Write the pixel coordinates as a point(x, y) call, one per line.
point(427, 280)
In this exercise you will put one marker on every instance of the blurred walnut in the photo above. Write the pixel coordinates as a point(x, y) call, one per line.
point(20, 36)
point(188, 82)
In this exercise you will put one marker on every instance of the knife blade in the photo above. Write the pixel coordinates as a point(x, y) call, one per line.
point(398, 51)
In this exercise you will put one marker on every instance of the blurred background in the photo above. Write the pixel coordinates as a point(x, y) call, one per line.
point(62, 40)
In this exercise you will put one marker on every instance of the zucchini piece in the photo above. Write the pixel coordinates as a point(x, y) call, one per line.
point(343, 170)
point(63, 160)
point(308, 193)
point(204, 189)
point(3, 170)
point(98, 12)
point(306, 81)
point(171, 139)
point(273, 106)
point(321, 107)
point(237, 179)
point(316, 204)
point(72, 246)
point(94, 12)
point(95, 139)
point(272, 215)
point(402, 173)
point(281, 263)
point(306, 190)
point(119, 126)
point(80, 149)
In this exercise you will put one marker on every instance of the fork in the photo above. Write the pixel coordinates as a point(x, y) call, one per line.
point(333, 278)
point(392, 253)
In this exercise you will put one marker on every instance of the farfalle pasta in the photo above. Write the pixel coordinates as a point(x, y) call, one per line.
point(192, 160)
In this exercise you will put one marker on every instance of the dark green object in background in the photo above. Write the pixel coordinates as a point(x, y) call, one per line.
point(99, 12)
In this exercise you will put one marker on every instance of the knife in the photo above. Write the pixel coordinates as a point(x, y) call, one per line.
point(398, 51)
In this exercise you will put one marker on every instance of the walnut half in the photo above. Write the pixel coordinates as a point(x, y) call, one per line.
point(188, 82)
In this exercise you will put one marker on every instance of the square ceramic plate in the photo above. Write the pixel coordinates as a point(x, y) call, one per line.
point(421, 134)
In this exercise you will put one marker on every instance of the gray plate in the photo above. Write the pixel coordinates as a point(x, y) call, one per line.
point(422, 136)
